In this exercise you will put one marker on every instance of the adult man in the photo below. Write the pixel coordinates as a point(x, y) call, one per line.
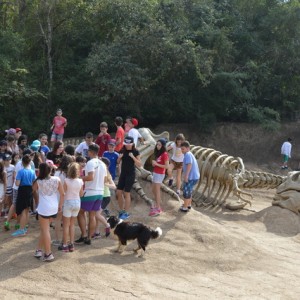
point(96, 172)
point(83, 147)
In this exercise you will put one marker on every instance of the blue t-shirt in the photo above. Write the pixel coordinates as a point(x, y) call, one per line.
point(112, 156)
point(189, 158)
point(26, 177)
point(45, 149)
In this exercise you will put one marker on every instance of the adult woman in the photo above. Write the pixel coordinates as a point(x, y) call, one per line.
point(57, 153)
point(47, 187)
point(160, 165)
point(130, 158)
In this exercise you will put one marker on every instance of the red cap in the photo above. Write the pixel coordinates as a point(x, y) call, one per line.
point(18, 129)
point(135, 122)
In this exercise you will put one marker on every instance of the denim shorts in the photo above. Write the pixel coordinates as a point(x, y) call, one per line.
point(158, 178)
point(56, 137)
point(71, 208)
point(188, 188)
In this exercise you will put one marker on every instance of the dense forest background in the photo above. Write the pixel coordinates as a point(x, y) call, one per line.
point(162, 61)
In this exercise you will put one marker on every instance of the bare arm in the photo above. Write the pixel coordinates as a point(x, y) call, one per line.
point(61, 196)
point(187, 172)
point(88, 177)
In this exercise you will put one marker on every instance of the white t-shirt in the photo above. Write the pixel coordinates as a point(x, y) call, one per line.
point(96, 186)
point(286, 149)
point(177, 153)
point(134, 133)
point(83, 148)
point(48, 204)
point(9, 175)
point(61, 175)
point(73, 188)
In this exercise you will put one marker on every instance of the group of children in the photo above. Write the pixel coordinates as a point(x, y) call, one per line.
point(27, 181)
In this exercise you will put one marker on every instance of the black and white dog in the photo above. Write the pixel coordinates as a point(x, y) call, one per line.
point(126, 231)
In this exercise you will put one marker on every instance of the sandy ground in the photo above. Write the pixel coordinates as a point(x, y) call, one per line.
point(204, 254)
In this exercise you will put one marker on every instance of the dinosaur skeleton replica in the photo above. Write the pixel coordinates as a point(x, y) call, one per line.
point(221, 175)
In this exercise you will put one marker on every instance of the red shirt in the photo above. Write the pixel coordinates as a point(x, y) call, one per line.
point(162, 161)
point(59, 125)
point(120, 135)
point(102, 142)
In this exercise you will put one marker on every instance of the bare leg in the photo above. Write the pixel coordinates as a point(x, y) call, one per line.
point(92, 223)
point(72, 229)
point(45, 237)
point(120, 199)
point(178, 179)
point(82, 222)
point(66, 229)
point(58, 226)
point(127, 201)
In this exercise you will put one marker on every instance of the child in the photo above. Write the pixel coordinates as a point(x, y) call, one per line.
point(23, 140)
point(130, 158)
point(191, 175)
point(61, 173)
point(176, 161)
point(12, 144)
point(43, 138)
point(73, 187)
point(120, 134)
point(127, 126)
point(3, 185)
point(3, 149)
point(15, 158)
point(103, 139)
point(133, 132)
point(24, 181)
point(9, 169)
point(82, 162)
point(160, 164)
point(58, 127)
point(286, 149)
point(82, 148)
point(108, 184)
point(47, 188)
point(112, 156)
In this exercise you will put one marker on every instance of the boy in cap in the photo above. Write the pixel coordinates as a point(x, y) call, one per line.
point(133, 132)
point(112, 155)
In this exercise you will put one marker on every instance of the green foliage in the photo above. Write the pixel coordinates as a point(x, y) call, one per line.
point(197, 61)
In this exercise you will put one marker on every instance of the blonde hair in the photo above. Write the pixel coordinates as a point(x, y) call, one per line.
point(73, 170)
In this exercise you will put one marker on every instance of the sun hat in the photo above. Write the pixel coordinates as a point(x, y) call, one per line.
point(128, 140)
point(35, 145)
point(10, 131)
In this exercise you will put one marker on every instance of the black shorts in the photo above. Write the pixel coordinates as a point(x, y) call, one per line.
point(126, 182)
point(24, 199)
point(48, 217)
point(105, 202)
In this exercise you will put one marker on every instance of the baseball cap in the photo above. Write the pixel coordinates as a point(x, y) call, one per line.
point(128, 140)
point(7, 157)
point(134, 122)
point(10, 131)
point(35, 145)
point(112, 142)
point(18, 130)
point(27, 151)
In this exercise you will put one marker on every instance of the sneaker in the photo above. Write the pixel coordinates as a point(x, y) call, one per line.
point(38, 253)
point(96, 236)
point(63, 248)
point(71, 247)
point(107, 213)
point(154, 212)
point(170, 182)
point(48, 258)
point(124, 216)
point(189, 207)
point(183, 209)
point(80, 240)
point(87, 241)
point(17, 226)
point(107, 231)
point(6, 226)
point(121, 212)
point(19, 232)
point(56, 243)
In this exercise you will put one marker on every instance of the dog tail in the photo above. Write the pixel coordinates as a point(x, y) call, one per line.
point(156, 233)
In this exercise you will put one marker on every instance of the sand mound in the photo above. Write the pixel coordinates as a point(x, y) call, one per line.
point(202, 254)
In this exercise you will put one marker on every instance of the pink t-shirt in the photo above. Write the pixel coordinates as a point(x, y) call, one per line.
point(73, 188)
point(59, 125)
